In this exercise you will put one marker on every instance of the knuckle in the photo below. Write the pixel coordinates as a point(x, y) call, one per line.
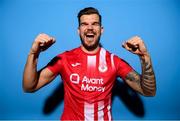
point(41, 34)
point(37, 39)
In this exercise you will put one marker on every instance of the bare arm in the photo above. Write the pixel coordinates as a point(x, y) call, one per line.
point(144, 83)
point(33, 79)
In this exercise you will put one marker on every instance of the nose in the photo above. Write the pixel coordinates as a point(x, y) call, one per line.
point(90, 27)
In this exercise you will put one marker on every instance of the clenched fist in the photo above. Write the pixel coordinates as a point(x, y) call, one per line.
point(41, 43)
point(136, 46)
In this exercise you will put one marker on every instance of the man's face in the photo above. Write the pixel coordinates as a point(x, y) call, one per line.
point(90, 31)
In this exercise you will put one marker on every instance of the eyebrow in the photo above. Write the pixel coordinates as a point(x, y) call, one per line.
point(92, 23)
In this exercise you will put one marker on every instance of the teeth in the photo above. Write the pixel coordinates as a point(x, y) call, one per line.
point(90, 35)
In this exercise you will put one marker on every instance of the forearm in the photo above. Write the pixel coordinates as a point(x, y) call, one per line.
point(147, 82)
point(144, 83)
point(30, 73)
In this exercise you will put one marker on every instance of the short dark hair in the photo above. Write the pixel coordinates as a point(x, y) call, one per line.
point(88, 11)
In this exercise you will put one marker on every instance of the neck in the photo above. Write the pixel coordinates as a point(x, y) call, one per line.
point(90, 51)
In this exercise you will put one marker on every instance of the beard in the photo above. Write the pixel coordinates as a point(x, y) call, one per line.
point(90, 47)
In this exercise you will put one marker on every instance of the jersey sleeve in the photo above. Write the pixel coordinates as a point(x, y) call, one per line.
point(55, 65)
point(122, 67)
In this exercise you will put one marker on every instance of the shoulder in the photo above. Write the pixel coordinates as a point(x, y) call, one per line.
point(103, 51)
point(59, 60)
point(68, 53)
point(71, 52)
point(116, 58)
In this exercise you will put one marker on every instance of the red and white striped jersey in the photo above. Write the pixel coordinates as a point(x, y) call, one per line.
point(88, 81)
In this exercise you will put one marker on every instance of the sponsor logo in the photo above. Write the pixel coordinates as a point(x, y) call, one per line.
point(88, 84)
point(74, 78)
point(87, 87)
point(92, 80)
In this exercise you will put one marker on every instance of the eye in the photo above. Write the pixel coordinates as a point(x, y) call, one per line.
point(83, 24)
point(96, 24)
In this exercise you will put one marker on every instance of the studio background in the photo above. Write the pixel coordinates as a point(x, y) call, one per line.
point(155, 21)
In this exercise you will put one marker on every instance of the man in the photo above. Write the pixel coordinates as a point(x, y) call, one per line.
point(89, 71)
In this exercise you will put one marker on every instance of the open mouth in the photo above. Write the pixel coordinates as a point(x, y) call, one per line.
point(90, 36)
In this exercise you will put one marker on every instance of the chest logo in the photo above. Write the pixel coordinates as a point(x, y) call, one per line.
point(74, 78)
point(102, 68)
point(75, 64)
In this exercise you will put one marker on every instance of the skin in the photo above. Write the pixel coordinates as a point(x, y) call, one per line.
point(89, 31)
point(145, 83)
point(33, 79)
point(90, 25)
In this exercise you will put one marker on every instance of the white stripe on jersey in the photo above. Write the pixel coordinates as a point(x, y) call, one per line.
point(91, 61)
point(100, 111)
point(109, 111)
point(112, 61)
point(88, 111)
point(102, 60)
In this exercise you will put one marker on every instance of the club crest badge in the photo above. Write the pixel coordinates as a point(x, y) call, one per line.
point(102, 68)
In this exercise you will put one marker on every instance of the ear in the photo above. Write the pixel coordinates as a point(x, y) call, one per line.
point(78, 30)
point(102, 29)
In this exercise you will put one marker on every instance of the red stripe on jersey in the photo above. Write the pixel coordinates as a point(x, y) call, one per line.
point(96, 111)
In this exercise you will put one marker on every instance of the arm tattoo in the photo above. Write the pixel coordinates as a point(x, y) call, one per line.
point(133, 76)
point(134, 81)
point(145, 83)
point(148, 83)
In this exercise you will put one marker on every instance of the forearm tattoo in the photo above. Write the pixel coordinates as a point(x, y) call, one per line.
point(148, 83)
point(145, 83)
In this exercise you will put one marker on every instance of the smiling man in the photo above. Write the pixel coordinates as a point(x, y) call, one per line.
point(89, 71)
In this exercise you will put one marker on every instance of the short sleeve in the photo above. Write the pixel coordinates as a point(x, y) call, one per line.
point(55, 65)
point(122, 67)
